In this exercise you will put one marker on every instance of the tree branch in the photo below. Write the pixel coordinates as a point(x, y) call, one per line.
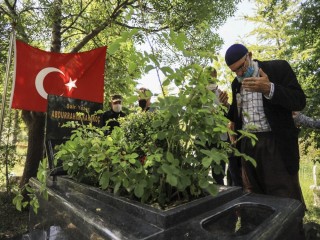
point(142, 28)
point(116, 12)
point(16, 24)
point(77, 17)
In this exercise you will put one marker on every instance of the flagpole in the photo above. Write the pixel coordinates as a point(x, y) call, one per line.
point(4, 103)
point(6, 84)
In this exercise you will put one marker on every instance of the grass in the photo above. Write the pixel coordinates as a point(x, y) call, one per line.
point(15, 223)
point(306, 180)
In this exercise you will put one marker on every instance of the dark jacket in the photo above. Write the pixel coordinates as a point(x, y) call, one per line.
point(288, 96)
point(111, 115)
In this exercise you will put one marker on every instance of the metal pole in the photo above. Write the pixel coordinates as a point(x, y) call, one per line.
point(6, 85)
point(4, 94)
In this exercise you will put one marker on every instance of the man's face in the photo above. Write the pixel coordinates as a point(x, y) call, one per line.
point(241, 66)
point(117, 106)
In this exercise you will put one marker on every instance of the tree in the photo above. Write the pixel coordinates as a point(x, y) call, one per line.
point(306, 50)
point(272, 20)
point(82, 25)
point(290, 30)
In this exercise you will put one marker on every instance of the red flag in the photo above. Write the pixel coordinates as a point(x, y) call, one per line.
point(39, 73)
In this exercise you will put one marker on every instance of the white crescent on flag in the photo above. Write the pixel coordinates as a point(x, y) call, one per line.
point(40, 78)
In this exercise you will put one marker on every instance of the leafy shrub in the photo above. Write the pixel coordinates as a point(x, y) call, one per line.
point(156, 157)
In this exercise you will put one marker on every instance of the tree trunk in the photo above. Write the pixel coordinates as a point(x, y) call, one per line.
point(16, 128)
point(35, 123)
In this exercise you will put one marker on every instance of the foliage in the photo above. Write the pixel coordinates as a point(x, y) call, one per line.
point(21, 201)
point(289, 30)
point(306, 49)
point(157, 157)
point(272, 20)
point(73, 26)
point(9, 153)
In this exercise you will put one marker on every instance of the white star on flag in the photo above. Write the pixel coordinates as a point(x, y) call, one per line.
point(71, 84)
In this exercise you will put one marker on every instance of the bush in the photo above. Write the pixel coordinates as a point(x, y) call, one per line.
point(156, 157)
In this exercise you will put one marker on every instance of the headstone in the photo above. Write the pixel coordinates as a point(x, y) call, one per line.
point(60, 111)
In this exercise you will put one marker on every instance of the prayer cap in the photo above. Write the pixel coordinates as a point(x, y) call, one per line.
point(234, 53)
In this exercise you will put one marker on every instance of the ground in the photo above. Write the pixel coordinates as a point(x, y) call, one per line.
point(13, 222)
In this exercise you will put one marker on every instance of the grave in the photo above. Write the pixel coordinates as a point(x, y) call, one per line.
point(78, 211)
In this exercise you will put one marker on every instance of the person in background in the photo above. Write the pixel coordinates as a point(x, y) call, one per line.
point(264, 94)
point(302, 120)
point(113, 114)
point(145, 99)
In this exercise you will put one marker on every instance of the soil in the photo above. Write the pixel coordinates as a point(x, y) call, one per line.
point(13, 223)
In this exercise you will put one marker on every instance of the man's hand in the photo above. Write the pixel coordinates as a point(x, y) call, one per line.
point(223, 98)
point(257, 84)
point(233, 138)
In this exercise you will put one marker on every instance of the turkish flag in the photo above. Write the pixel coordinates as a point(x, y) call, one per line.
point(39, 73)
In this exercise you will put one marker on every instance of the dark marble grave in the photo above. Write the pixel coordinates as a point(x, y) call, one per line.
point(76, 211)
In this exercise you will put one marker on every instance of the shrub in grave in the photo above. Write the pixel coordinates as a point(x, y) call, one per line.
point(159, 158)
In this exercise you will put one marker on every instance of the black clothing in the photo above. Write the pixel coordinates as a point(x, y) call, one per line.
point(277, 151)
point(270, 171)
point(234, 171)
point(288, 96)
point(112, 123)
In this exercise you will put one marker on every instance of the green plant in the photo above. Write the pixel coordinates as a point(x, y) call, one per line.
point(156, 157)
point(26, 195)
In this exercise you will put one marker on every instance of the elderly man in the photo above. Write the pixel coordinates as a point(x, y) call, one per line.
point(264, 94)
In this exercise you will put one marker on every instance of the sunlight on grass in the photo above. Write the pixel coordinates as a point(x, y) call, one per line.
point(17, 169)
point(306, 180)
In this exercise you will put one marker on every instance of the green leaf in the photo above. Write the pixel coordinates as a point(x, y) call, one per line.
point(34, 203)
point(17, 200)
point(132, 67)
point(104, 180)
point(154, 60)
point(206, 161)
point(203, 183)
point(166, 82)
point(212, 189)
point(132, 160)
point(139, 190)
point(169, 157)
point(29, 189)
point(117, 187)
point(148, 68)
point(167, 70)
point(172, 180)
point(113, 47)
point(132, 99)
point(167, 169)
point(161, 135)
